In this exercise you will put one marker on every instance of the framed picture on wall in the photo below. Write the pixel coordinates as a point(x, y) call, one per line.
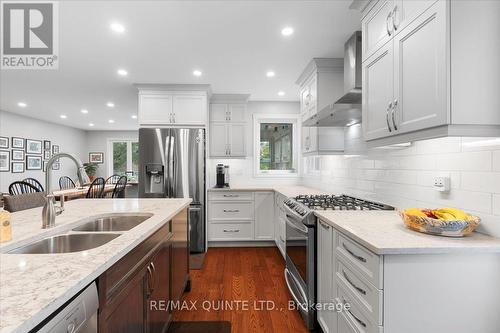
point(4, 142)
point(17, 167)
point(17, 155)
point(46, 145)
point(56, 166)
point(4, 161)
point(46, 155)
point(55, 149)
point(97, 158)
point(33, 147)
point(17, 143)
point(33, 162)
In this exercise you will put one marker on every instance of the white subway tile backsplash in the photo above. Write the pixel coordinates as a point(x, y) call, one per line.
point(439, 146)
point(481, 181)
point(426, 178)
point(466, 161)
point(496, 204)
point(496, 161)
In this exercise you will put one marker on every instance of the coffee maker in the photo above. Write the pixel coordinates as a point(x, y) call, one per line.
point(222, 176)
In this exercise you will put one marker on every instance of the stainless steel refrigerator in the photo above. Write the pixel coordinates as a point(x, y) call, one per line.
point(172, 165)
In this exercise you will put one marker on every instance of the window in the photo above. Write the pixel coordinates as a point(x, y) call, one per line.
point(124, 155)
point(275, 139)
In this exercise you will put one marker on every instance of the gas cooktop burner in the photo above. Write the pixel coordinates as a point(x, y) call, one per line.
point(339, 202)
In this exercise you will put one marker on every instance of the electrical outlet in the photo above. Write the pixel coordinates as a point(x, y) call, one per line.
point(442, 184)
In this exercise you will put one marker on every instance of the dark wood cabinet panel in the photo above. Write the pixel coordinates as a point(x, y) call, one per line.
point(180, 254)
point(158, 300)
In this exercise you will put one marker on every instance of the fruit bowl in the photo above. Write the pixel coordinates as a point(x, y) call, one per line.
point(440, 227)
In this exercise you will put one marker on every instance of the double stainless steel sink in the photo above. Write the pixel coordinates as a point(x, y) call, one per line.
point(90, 235)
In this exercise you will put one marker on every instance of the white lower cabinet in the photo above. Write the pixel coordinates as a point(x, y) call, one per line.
point(280, 222)
point(240, 216)
point(407, 292)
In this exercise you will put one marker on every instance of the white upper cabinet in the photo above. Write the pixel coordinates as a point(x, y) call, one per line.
point(377, 27)
point(322, 140)
point(423, 70)
point(228, 125)
point(174, 105)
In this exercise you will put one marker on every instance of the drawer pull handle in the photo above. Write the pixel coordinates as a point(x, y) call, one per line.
point(362, 291)
point(324, 225)
point(231, 230)
point(231, 210)
point(231, 195)
point(352, 253)
point(362, 323)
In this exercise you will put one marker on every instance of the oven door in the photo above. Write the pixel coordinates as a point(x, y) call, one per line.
point(297, 237)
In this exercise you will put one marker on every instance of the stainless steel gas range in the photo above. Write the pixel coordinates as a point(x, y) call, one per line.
point(300, 271)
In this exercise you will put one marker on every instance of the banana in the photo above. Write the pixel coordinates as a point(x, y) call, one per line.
point(450, 214)
point(414, 211)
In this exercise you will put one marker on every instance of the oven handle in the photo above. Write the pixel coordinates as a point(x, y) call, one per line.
point(296, 299)
point(296, 227)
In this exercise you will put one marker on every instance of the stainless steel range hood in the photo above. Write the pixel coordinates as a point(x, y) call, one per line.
point(346, 110)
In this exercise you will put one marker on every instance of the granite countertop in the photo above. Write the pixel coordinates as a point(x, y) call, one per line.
point(288, 191)
point(383, 232)
point(32, 286)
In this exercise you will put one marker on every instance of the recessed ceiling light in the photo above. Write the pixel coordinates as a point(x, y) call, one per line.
point(111, 121)
point(287, 31)
point(281, 93)
point(110, 104)
point(197, 72)
point(117, 27)
point(91, 124)
point(22, 104)
point(122, 72)
point(85, 111)
point(134, 116)
point(270, 74)
point(63, 116)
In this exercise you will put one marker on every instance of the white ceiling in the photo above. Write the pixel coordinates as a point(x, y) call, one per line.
point(234, 43)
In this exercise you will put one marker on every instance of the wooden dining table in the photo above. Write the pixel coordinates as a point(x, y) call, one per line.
point(80, 192)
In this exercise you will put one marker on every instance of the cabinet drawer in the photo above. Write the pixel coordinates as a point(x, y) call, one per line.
point(370, 297)
point(365, 262)
point(230, 195)
point(230, 231)
point(231, 210)
point(359, 321)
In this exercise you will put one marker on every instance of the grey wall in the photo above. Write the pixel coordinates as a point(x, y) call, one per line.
point(69, 140)
point(97, 141)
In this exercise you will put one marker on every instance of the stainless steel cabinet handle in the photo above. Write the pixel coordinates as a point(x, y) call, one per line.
point(353, 254)
point(231, 195)
point(387, 25)
point(231, 230)
point(362, 291)
point(357, 319)
point(231, 210)
point(394, 11)
point(153, 273)
point(150, 278)
point(324, 225)
point(394, 106)
point(387, 117)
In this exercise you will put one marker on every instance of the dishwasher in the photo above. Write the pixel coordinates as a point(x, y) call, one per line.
point(78, 316)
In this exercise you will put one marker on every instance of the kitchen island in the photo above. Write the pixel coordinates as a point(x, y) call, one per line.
point(34, 286)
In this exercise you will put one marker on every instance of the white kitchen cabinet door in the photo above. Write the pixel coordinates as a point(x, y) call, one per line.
point(264, 213)
point(313, 100)
point(218, 112)
point(155, 109)
point(218, 140)
point(313, 139)
point(377, 27)
point(378, 93)
point(420, 70)
point(237, 135)
point(237, 113)
point(325, 276)
point(304, 101)
point(190, 109)
point(305, 139)
point(406, 11)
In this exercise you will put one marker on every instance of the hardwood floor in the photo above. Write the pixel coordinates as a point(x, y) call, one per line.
point(242, 276)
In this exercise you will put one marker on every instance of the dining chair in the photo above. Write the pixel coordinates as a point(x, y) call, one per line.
point(15, 203)
point(35, 183)
point(21, 187)
point(96, 189)
point(113, 179)
point(119, 190)
point(66, 183)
